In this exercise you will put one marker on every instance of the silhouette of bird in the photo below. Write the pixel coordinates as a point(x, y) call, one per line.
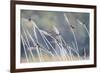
point(29, 19)
point(72, 27)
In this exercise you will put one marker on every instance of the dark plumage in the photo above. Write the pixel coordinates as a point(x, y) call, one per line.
point(72, 27)
point(29, 19)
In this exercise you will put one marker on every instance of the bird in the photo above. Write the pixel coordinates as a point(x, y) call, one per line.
point(72, 27)
point(29, 19)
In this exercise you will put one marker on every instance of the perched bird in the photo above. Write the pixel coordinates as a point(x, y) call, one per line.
point(37, 45)
point(29, 19)
point(72, 27)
